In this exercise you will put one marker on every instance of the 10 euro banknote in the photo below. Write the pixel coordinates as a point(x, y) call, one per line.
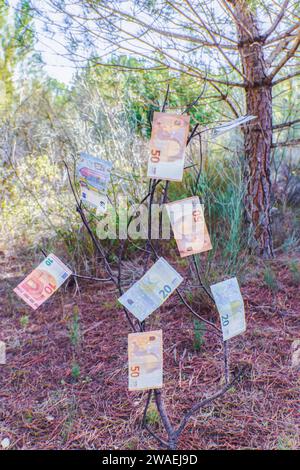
point(230, 305)
point(167, 146)
point(151, 291)
point(39, 285)
point(189, 227)
point(94, 176)
point(145, 360)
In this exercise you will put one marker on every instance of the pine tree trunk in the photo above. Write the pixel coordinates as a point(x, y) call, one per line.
point(258, 136)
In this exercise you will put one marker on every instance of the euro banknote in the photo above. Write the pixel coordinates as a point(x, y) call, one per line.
point(228, 126)
point(145, 360)
point(167, 146)
point(230, 305)
point(39, 285)
point(2, 353)
point(189, 227)
point(95, 200)
point(152, 290)
point(94, 176)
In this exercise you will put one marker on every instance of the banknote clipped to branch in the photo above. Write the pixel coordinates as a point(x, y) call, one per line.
point(167, 146)
point(228, 126)
point(189, 227)
point(145, 360)
point(2, 353)
point(151, 291)
point(230, 305)
point(43, 281)
point(94, 176)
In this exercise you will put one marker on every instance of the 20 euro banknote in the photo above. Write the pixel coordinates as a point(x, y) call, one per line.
point(230, 304)
point(145, 360)
point(151, 291)
point(189, 227)
point(167, 146)
point(39, 285)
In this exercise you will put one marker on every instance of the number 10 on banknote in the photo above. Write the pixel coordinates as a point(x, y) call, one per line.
point(145, 360)
point(39, 285)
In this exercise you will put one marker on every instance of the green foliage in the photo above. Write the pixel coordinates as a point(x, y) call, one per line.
point(152, 417)
point(16, 42)
point(75, 371)
point(199, 331)
point(221, 190)
point(75, 328)
point(143, 91)
point(34, 200)
point(270, 279)
point(295, 271)
point(24, 321)
point(291, 242)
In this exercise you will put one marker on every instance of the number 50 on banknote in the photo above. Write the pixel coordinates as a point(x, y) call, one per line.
point(145, 360)
point(189, 227)
point(167, 146)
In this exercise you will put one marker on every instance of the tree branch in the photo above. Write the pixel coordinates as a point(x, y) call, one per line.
point(207, 401)
point(286, 58)
point(287, 77)
point(290, 143)
point(286, 124)
point(277, 20)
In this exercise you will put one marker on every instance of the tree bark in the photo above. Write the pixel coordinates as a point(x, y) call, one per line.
point(258, 136)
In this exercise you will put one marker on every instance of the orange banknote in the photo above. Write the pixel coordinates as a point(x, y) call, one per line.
point(167, 146)
point(39, 285)
point(189, 227)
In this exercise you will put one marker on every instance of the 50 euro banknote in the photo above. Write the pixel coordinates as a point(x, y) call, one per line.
point(43, 281)
point(230, 305)
point(145, 360)
point(189, 227)
point(152, 290)
point(167, 146)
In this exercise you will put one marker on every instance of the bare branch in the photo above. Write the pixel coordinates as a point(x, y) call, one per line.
point(286, 124)
point(207, 401)
point(286, 77)
point(286, 58)
point(277, 20)
point(290, 143)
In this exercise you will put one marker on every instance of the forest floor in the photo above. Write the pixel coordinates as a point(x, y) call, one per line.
point(65, 382)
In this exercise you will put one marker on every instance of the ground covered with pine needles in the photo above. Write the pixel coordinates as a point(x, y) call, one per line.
point(65, 382)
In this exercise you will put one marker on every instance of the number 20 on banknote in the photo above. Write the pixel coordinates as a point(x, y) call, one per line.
point(230, 305)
